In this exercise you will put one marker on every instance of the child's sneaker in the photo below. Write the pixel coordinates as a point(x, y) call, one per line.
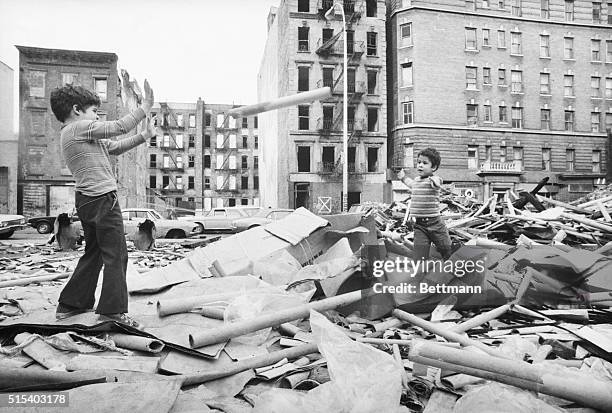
point(65, 311)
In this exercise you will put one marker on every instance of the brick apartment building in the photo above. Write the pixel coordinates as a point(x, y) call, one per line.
point(301, 151)
point(509, 91)
point(202, 159)
point(45, 185)
point(8, 143)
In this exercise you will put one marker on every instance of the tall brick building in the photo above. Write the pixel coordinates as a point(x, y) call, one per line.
point(45, 185)
point(201, 159)
point(8, 143)
point(508, 91)
point(301, 146)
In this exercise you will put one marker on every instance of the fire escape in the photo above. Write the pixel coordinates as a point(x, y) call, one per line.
point(169, 122)
point(353, 9)
point(228, 128)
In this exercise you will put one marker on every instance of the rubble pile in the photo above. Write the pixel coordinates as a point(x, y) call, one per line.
point(313, 313)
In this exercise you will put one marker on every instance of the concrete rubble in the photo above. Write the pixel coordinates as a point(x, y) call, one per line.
point(327, 313)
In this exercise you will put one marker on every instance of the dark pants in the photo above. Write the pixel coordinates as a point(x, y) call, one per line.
point(428, 230)
point(104, 244)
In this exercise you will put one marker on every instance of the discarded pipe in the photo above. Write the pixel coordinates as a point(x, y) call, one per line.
point(131, 342)
point(589, 222)
point(459, 381)
point(186, 304)
point(31, 280)
point(239, 328)
point(19, 378)
point(481, 319)
point(251, 363)
point(292, 100)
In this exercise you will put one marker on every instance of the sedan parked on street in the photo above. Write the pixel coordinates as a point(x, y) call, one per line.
point(11, 223)
point(164, 228)
point(44, 225)
point(263, 217)
point(220, 219)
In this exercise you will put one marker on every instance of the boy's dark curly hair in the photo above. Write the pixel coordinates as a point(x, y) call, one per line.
point(433, 155)
point(63, 98)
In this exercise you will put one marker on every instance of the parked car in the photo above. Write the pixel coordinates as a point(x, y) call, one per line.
point(220, 219)
point(11, 223)
point(164, 228)
point(44, 225)
point(263, 217)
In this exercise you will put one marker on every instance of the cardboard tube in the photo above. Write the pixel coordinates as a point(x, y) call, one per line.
point(239, 328)
point(572, 386)
point(292, 100)
point(18, 378)
point(251, 363)
point(562, 204)
point(186, 304)
point(149, 345)
point(595, 201)
point(391, 323)
point(590, 222)
point(447, 334)
point(481, 319)
point(458, 381)
point(37, 279)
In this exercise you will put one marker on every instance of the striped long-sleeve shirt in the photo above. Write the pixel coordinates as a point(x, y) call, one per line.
point(86, 147)
point(425, 199)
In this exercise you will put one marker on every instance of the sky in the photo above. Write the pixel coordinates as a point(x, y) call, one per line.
point(185, 48)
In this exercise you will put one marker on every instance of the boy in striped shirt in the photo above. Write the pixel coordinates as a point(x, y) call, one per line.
point(86, 148)
point(425, 206)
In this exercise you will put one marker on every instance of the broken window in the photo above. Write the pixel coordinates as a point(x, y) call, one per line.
point(303, 155)
point(372, 159)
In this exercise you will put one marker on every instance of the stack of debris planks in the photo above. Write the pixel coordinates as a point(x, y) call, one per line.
point(284, 318)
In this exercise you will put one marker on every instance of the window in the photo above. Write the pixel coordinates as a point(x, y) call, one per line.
point(244, 162)
point(596, 161)
point(608, 51)
point(517, 81)
point(69, 78)
point(372, 119)
point(568, 47)
point(409, 155)
point(255, 122)
point(472, 114)
point(166, 142)
point(503, 114)
point(517, 117)
point(408, 112)
point(179, 141)
point(595, 86)
point(219, 141)
point(192, 120)
point(545, 119)
point(244, 182)
point(220, 120)
point(179, 162)
point(501, 4)
point(303, 39)
point(486, 38)
point(207, 119)
point(501, 39)
point(406, 35)
point(245, 142)
point(609, 120)
point(515, 43)
point(255, 162)
point(303, 6)
point(371, 8)
point(328, 117)
point(609, 12)
point(190, 161)
point(470, 77)
point(470, 39)
point(486, 75)
point(516, 8)
point(569, 10)
point(207, 141)
point(255, 142)
point(152, 161)
point(191, 182)
point(245, 122)
point(487, 113)
point(350, 41)
point(569, 159)
point(501, 77)
point(303, 158)
point(206, 161)
point(518, 156)
point(220, 162)
point(255, 182)
point(206, 183)
point(545, 83)
point(303, 78)
point(569, 120)
point(544, 45)
point(597, 12)
point(472, 157)
point(350, 80)
point(372, 80)
point(407, 74)
point(303, 117)
point(595, 121)
point(179, 120)
point(100, 86)
point(502, 153)
point(326, 34)
point(372, 159)
point(153, 141)
point(191, 143)
point(488, 153)
point(545, 9)
point(166, 161)
point(596, 47)
point(568, 85)
point(152, 181)
point(609, 88)
point(328, 77)
point(219, 185)
point(371, 40)
point(546, 159)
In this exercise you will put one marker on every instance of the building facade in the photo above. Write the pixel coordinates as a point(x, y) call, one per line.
point(508, 91)
point(202, 159)
point(302, 151)
point(45, 185)
point(8, 143)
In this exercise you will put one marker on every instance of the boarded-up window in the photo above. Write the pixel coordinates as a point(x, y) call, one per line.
point(37, 80)
point(35, 157)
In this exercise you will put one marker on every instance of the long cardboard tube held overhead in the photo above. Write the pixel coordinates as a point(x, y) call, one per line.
point(150, 345)
point(572, 386)
point(239, 328)
point(447, 334)
point(282, 102)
